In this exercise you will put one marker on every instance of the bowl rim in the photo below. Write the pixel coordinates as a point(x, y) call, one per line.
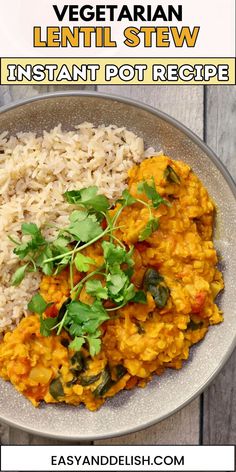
point(232, 185)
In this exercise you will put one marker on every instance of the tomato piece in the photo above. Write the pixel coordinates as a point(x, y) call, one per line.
point(51, 311)
point(157, 265)
point(77, 276)
point(141, 247)
point(104, 224)
point(199, 302)
point(131, 383)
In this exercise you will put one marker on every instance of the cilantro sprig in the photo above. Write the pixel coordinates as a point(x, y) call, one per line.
point(149, 189)
point(109, 284)
point(88, 198)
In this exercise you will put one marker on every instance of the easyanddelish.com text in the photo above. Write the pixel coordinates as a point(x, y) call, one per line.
point(119, 460)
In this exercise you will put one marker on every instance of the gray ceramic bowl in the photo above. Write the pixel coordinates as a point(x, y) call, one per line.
point(133, 410)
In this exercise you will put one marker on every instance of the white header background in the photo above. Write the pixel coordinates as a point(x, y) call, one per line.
point(215, 18)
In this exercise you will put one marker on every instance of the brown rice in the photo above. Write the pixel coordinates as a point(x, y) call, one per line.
point(35, 171)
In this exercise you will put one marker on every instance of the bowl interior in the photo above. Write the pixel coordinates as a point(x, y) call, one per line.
point(174, 389)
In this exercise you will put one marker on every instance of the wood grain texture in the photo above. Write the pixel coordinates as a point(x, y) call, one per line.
point(219, 405)
point(220, 123)
point(180, 428)
point(13, 93)
point(185, 104)
point(4, 434)
point(182, 102)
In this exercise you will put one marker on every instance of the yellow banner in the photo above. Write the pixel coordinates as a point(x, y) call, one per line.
point(117, 71)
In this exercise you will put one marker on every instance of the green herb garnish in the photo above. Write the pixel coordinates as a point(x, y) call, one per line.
point(127, 199)
point(46, 325)
point(150, 190)
point(82, 262)
point(86, 229)
point(38, 304)
point(95, 288)
point(88, 198)
point(151, 226)
point(110, 282)
point(19, 275)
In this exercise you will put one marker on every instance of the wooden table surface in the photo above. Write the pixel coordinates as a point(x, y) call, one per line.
point(211, 113)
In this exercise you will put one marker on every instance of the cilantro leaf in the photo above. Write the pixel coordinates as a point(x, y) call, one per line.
point(94, 287)
point(129, 272)
point(61, 242)
point(150, 227)
point(46, 325)
point(129, 293)
point(19, 275)
point(77, 343)
point(94, 344)
point(82, 262)
point(30, 228)
point(84, 319)
point(127, 199)
point(37, 304)
point(115, 283)
point(47, 267)
point(32, 246)
point(119, 287)
point(139, 297)
point(150, 190)
point(116, 254)
point(36, 242)
point(22, 250)
point(58, 248)
point(85, 230)
point(78, 215)
point(88, 198)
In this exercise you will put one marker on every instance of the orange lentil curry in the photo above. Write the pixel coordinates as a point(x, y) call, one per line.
point(139, 340)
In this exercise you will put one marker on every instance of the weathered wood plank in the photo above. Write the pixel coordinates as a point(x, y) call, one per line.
point(15, 436)
point(182, 102)
point(4, 434)
point(40, 440)
point(18, 437)
point(12, 93)
point(219, 420)
point(219, 407)
point(220, 130)
point(186, 105)
point(180, 428)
